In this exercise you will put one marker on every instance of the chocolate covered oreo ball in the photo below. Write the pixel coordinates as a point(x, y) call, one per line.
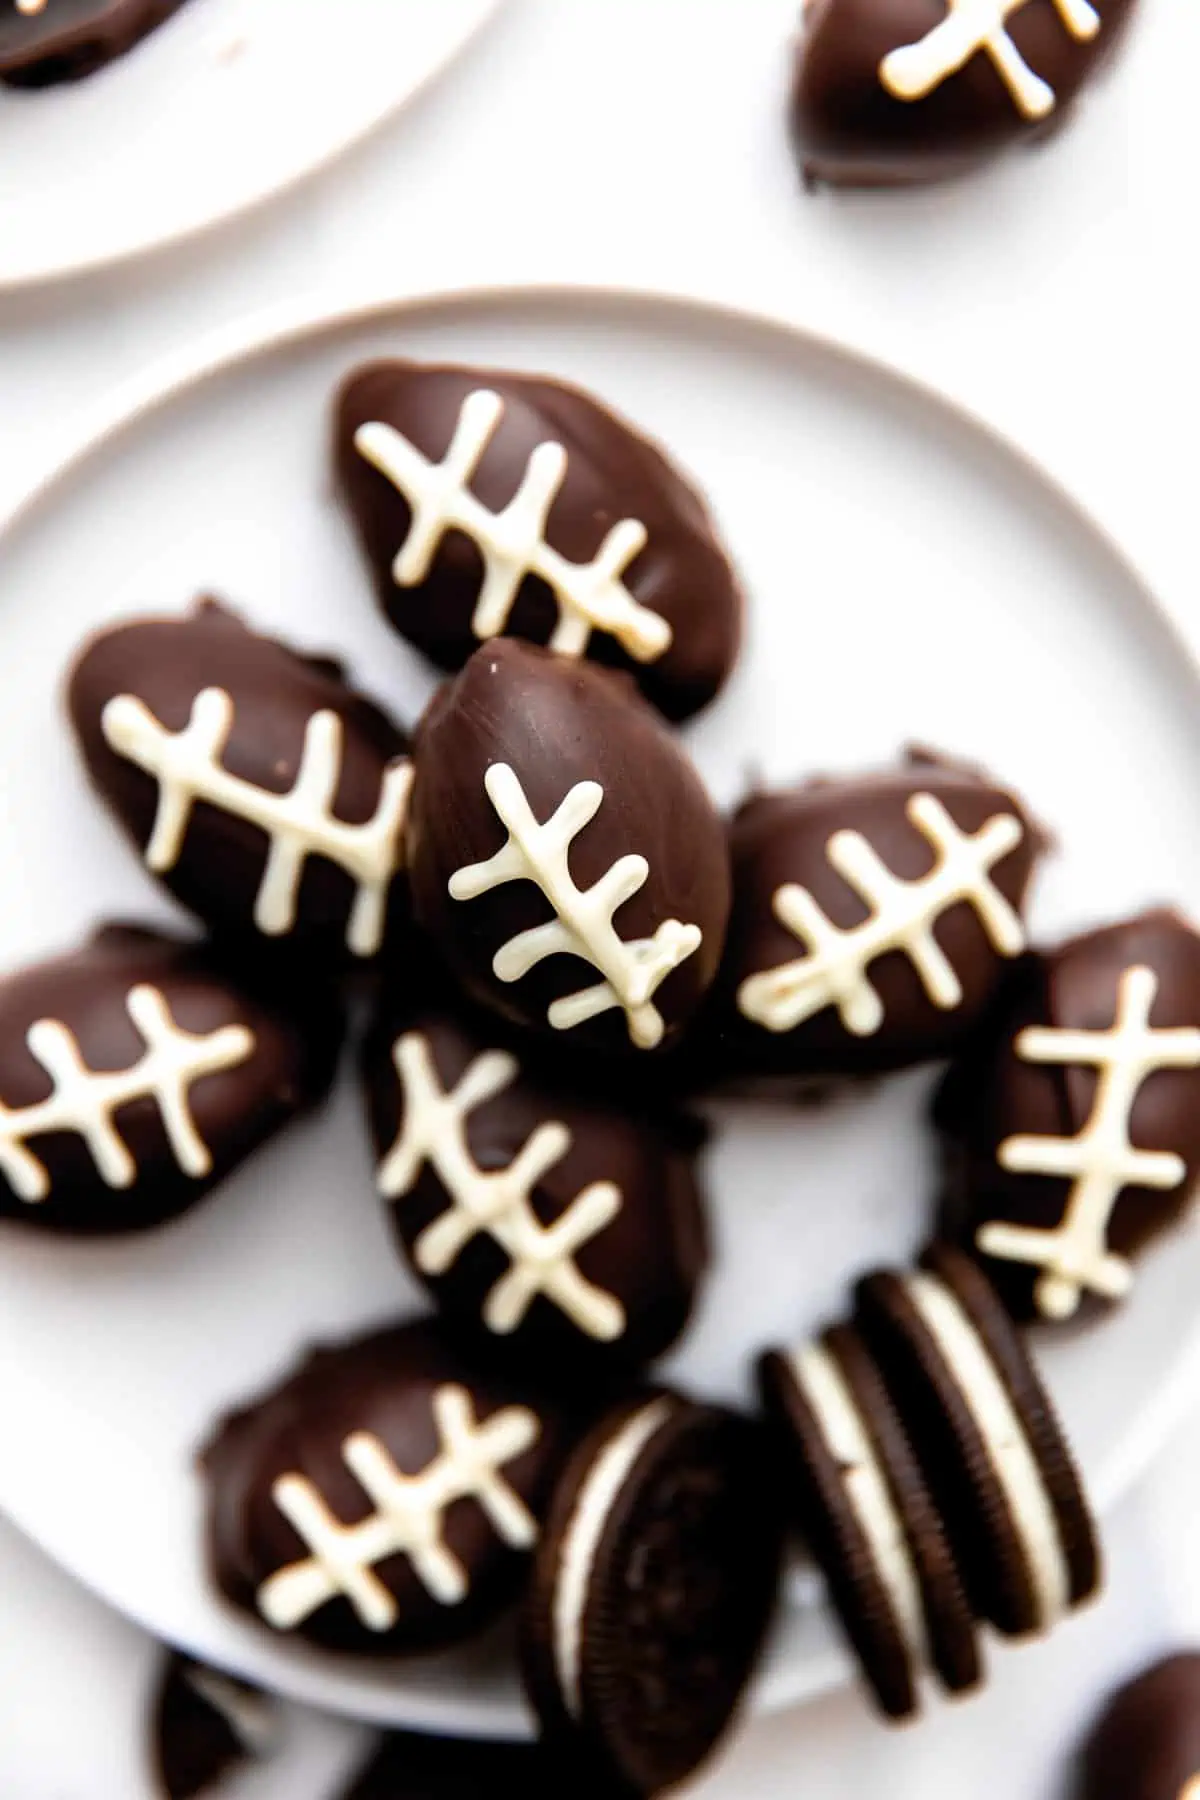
point(556, 1230)
point(873, 920)
point(137, 1072)
point(496, 504)
point(1146, 1745)
point(1072, 1127)
point(563, 852)
point(268, 796)
point(384, 1499)
point(43, 42)
point(888, 92)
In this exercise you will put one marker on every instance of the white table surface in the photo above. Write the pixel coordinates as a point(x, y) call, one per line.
point(640, 141)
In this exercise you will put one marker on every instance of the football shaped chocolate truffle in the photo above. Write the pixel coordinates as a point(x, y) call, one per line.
point(1147, 1744)
point(872, 920)
point(493, 504)
point(1072, 1127)
point(136, 1073)
point(267, 794)
point(894, 91)
point(47, 41)
point(384, 1500)
point(564, 855)
point(556, 1230)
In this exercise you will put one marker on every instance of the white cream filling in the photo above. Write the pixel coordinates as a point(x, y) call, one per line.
point(829, 1395)
point(1008, 1448)
point(581, 1540)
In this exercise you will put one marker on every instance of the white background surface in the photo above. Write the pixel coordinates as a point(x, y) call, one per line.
point(639, 140)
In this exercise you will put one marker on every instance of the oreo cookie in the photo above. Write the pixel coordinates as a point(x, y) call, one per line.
point(866, 1513)
point(1146, 1744)
point(988, 1439)
point(653, 1586)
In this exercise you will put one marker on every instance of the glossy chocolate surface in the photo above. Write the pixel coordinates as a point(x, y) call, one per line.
point(1146, 1746)
point(782, 839)
point(221, 870)
point(632, 1275)
point(557, 726)
point(279, 1063)
point(386, 1386)
point(995, 1094)
point(681, 575)
point(64, 40)
point(850, 130)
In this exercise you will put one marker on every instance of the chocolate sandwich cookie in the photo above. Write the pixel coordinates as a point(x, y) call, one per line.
point(988, 1440)
point(873, 921)
point(559, 1232)
point(268, 796)
point(1071, 1126)
point(564, 855)
point(496, 504)
point(1146, 1745)
point(865, 1511)
point(384, 1499)
point(888, 92)
point(44, 42)
point(411, 1767)
point(205, 1725)
point(652, 1590)
point(138, 1071)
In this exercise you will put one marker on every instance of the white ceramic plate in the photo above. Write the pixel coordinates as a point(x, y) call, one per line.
point(910, 577)
point(223, 106)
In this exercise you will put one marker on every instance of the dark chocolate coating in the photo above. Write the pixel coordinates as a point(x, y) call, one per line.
point(650, 1258)
point(993, 1094)
point(205, 1725)
point(275, 691)
point(384, 1385)
point(557, 724)
point(781, 838)
point(850, 131)
point(411, 1767)
point(234, 1109)
point(69, 39)
point(613, 473)
point(1146, 1746)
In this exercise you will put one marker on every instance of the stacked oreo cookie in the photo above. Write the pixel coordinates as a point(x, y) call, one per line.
point(930, 1477)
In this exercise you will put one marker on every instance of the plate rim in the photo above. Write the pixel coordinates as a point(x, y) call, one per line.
point(26, 276)
point(273, 331)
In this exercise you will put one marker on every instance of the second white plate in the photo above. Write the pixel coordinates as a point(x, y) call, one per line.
point(223, 106)
point(909, 578)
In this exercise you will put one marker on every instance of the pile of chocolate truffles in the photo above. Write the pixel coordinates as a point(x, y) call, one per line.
point(564, 947)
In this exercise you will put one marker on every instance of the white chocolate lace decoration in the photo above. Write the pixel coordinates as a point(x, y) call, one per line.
point(590, 596)
point(299, 824)
point(914, 70)
point(903, 914)
point(1101, 1161)
point(86, 1101)
point(409, 1516)
point(583, 926)
point(497, 1202)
